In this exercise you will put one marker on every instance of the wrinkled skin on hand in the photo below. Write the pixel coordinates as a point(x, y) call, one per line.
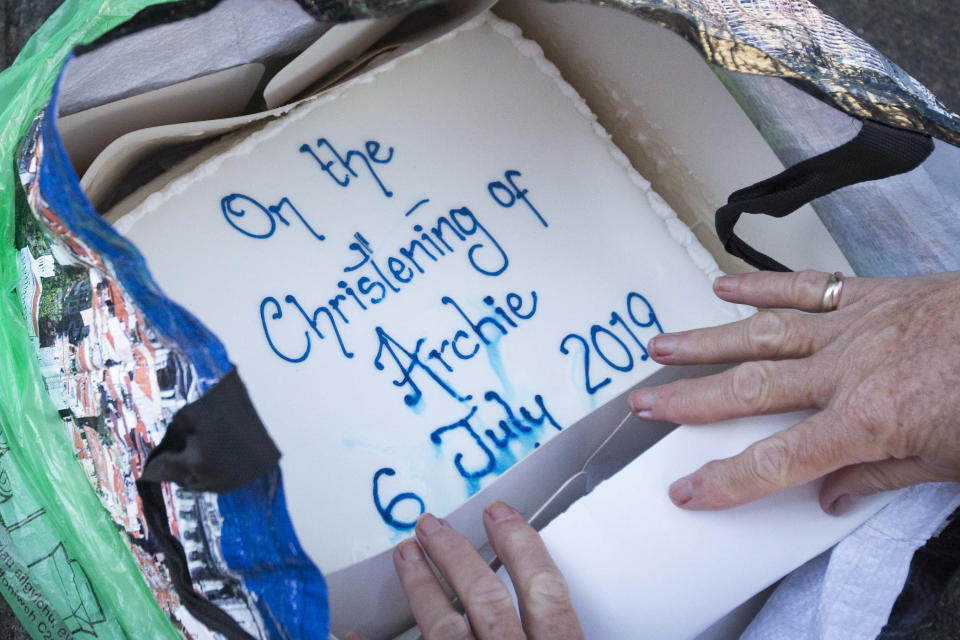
point(882, 373)
point(543, 598)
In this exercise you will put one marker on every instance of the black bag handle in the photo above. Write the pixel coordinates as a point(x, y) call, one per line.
point(877, 151)
point(218, 444)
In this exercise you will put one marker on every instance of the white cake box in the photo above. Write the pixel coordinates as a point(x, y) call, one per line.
point(679, 127)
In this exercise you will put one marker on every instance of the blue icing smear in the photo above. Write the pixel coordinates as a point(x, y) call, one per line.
point(399, 535)
point(473, 486)
point(418, 407)
point(496, 364)
point(481, 451)
point(356, 443)
point(480, 448)
point(492, 445)
point(507, 459)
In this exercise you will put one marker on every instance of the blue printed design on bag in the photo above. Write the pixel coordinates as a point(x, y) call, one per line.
point(61, 190)
point(260, 545)
point(249, 546)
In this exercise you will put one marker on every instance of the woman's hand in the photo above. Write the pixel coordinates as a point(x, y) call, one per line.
point(545, 608)
point(882, 371)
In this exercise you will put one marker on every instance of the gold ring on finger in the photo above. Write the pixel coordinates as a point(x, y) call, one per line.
point(831, 295)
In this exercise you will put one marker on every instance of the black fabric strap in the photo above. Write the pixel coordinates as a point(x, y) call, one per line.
point(878, 151)
point(214, 444)
point(219, 444)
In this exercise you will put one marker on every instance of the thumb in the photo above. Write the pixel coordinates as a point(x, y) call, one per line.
point(840, 487)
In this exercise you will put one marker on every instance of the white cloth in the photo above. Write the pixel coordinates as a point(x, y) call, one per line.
point(848, 592)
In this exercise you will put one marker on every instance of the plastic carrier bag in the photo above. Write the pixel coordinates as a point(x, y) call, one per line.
point(76, 553)
point(123, 511)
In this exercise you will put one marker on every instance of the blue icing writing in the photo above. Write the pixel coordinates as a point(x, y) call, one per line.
point(651, 315)
point(340, 168)
point(515, 303)
point(428, 247)
point(506, 196)
point(464, 423)
point(235, 208)
point(408, 362)
point(478, 326)
point(377, 283)
point(610, 345)
point(524, 412)
point(592, 387)
point(494, 458)
point(491, 322)
point(455, 347)
point(459, 225)
point(485, 331)
point(365, 284)
point(312, 320)
point(386, 512)
point(293, 323)
point(487, 461)
point(491, 270)
point(413, 209)
point(277, 314)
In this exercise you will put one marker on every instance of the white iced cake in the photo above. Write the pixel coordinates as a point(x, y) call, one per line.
point(424, 275)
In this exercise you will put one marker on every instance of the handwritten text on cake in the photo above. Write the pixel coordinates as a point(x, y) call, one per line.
point(440, 234)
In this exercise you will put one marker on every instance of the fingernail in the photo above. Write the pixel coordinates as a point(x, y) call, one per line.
point(641, 402)
point(681, 491)
point(726, 284)
point(428, 525)
point(500, 511)
point(664, 344)
point(841, 505)
point(409, 550)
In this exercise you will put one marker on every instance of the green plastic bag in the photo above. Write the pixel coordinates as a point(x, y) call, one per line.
point(65, 568)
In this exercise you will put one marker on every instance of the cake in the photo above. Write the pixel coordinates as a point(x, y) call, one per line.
point(423, 275)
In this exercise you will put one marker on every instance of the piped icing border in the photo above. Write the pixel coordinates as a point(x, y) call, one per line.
point(677, 229)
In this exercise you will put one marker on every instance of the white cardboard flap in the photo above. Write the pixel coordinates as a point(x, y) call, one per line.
point(639, 567)
point(341, 43)
point(103, 166)
point(217, 95)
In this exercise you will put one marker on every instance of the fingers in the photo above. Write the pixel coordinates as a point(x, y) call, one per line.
point(435, 615)
point(545, 606)
point(485, 598)
point(767, 335)
point(841, 487)
point(752, 388)
point(541, 589)
point(802, 290)
point(795, 456)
